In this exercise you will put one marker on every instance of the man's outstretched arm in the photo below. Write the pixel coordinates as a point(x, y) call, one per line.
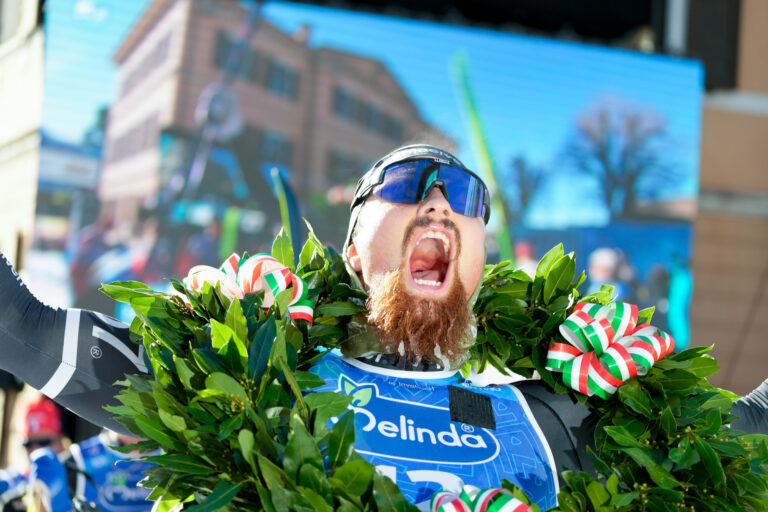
point(73, 356)
point(752, 411)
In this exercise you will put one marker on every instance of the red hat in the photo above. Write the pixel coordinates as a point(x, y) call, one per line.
point(39, 417)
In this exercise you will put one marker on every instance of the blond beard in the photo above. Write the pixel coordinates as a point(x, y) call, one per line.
point(415, 327)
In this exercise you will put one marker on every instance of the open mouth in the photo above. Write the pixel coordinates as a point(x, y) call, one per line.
point(429, 264)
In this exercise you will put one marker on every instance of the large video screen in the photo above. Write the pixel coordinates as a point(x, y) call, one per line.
point(169, 128)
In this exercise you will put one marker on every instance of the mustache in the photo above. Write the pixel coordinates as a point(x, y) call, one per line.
point(420, 222)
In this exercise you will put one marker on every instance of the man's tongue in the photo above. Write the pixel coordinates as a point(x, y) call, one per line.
point(428, 261)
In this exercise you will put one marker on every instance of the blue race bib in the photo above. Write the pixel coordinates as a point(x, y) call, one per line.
point(403, 427)
point(116, 477)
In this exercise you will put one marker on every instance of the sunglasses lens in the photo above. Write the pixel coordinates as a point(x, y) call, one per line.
point(465, 192)
point(408, 182)
point(401, 183)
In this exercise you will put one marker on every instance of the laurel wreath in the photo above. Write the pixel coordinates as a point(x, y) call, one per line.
point(226, 401)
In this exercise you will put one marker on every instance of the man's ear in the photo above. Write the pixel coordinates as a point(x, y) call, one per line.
point(353, 258)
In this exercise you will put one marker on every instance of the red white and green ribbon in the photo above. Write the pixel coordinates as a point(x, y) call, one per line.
point(259, 273)
point(605, 348)
point(489, 500)
point(201, 274)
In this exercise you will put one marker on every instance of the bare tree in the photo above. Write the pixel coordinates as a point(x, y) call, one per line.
point(527, 179)
point(622, 147)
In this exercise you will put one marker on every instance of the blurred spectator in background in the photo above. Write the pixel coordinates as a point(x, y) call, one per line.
point(680, 292)
point(90, 475)
point(601, 269)
point(162, 251)
point(38, 426)
point(657, 291)
point(97, 476)
point(608, 266)
point(92, 244)
point(103, 257)
point(524, 257)
point(47, 489)
point(13, 486)
point(202, 248)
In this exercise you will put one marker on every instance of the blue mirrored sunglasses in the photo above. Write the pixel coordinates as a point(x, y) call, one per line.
point(411, 181)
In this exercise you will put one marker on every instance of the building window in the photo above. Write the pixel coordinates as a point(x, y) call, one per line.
point(148, 64)
point(249, 66)
point(221, 51)
point(275, 148)
point(367, 117)
point(344, 104)
point(139, 138)
point(392, 128)
point(249, 62)
point(347, 106)
point(282, 80)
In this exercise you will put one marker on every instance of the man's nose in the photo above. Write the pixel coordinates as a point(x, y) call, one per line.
point(435, 204)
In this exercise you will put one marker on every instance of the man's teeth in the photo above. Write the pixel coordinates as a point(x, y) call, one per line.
point(427, 282)
point(438, 235)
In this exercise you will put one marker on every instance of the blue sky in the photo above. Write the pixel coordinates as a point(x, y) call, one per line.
point(528, 90)
point(80, 38)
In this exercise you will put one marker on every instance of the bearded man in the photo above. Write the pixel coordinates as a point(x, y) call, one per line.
point(416, 245)
point(418, 255)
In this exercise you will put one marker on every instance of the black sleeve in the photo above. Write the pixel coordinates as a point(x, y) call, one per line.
point(568, 426)
point(752, 411)
point(72, 356)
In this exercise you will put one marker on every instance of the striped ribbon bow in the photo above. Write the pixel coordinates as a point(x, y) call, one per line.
point(489, 500)
point(606, 347)
point(259, 273)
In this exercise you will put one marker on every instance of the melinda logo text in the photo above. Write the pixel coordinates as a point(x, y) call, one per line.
point(400, 429)
point(406, 430)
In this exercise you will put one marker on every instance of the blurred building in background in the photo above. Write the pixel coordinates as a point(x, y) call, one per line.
point(21, 106)
point(318, 114)
point(66, 184)
point(330, 112)
point(730, 301)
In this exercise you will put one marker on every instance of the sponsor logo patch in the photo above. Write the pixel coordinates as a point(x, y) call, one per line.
point(403, 430)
